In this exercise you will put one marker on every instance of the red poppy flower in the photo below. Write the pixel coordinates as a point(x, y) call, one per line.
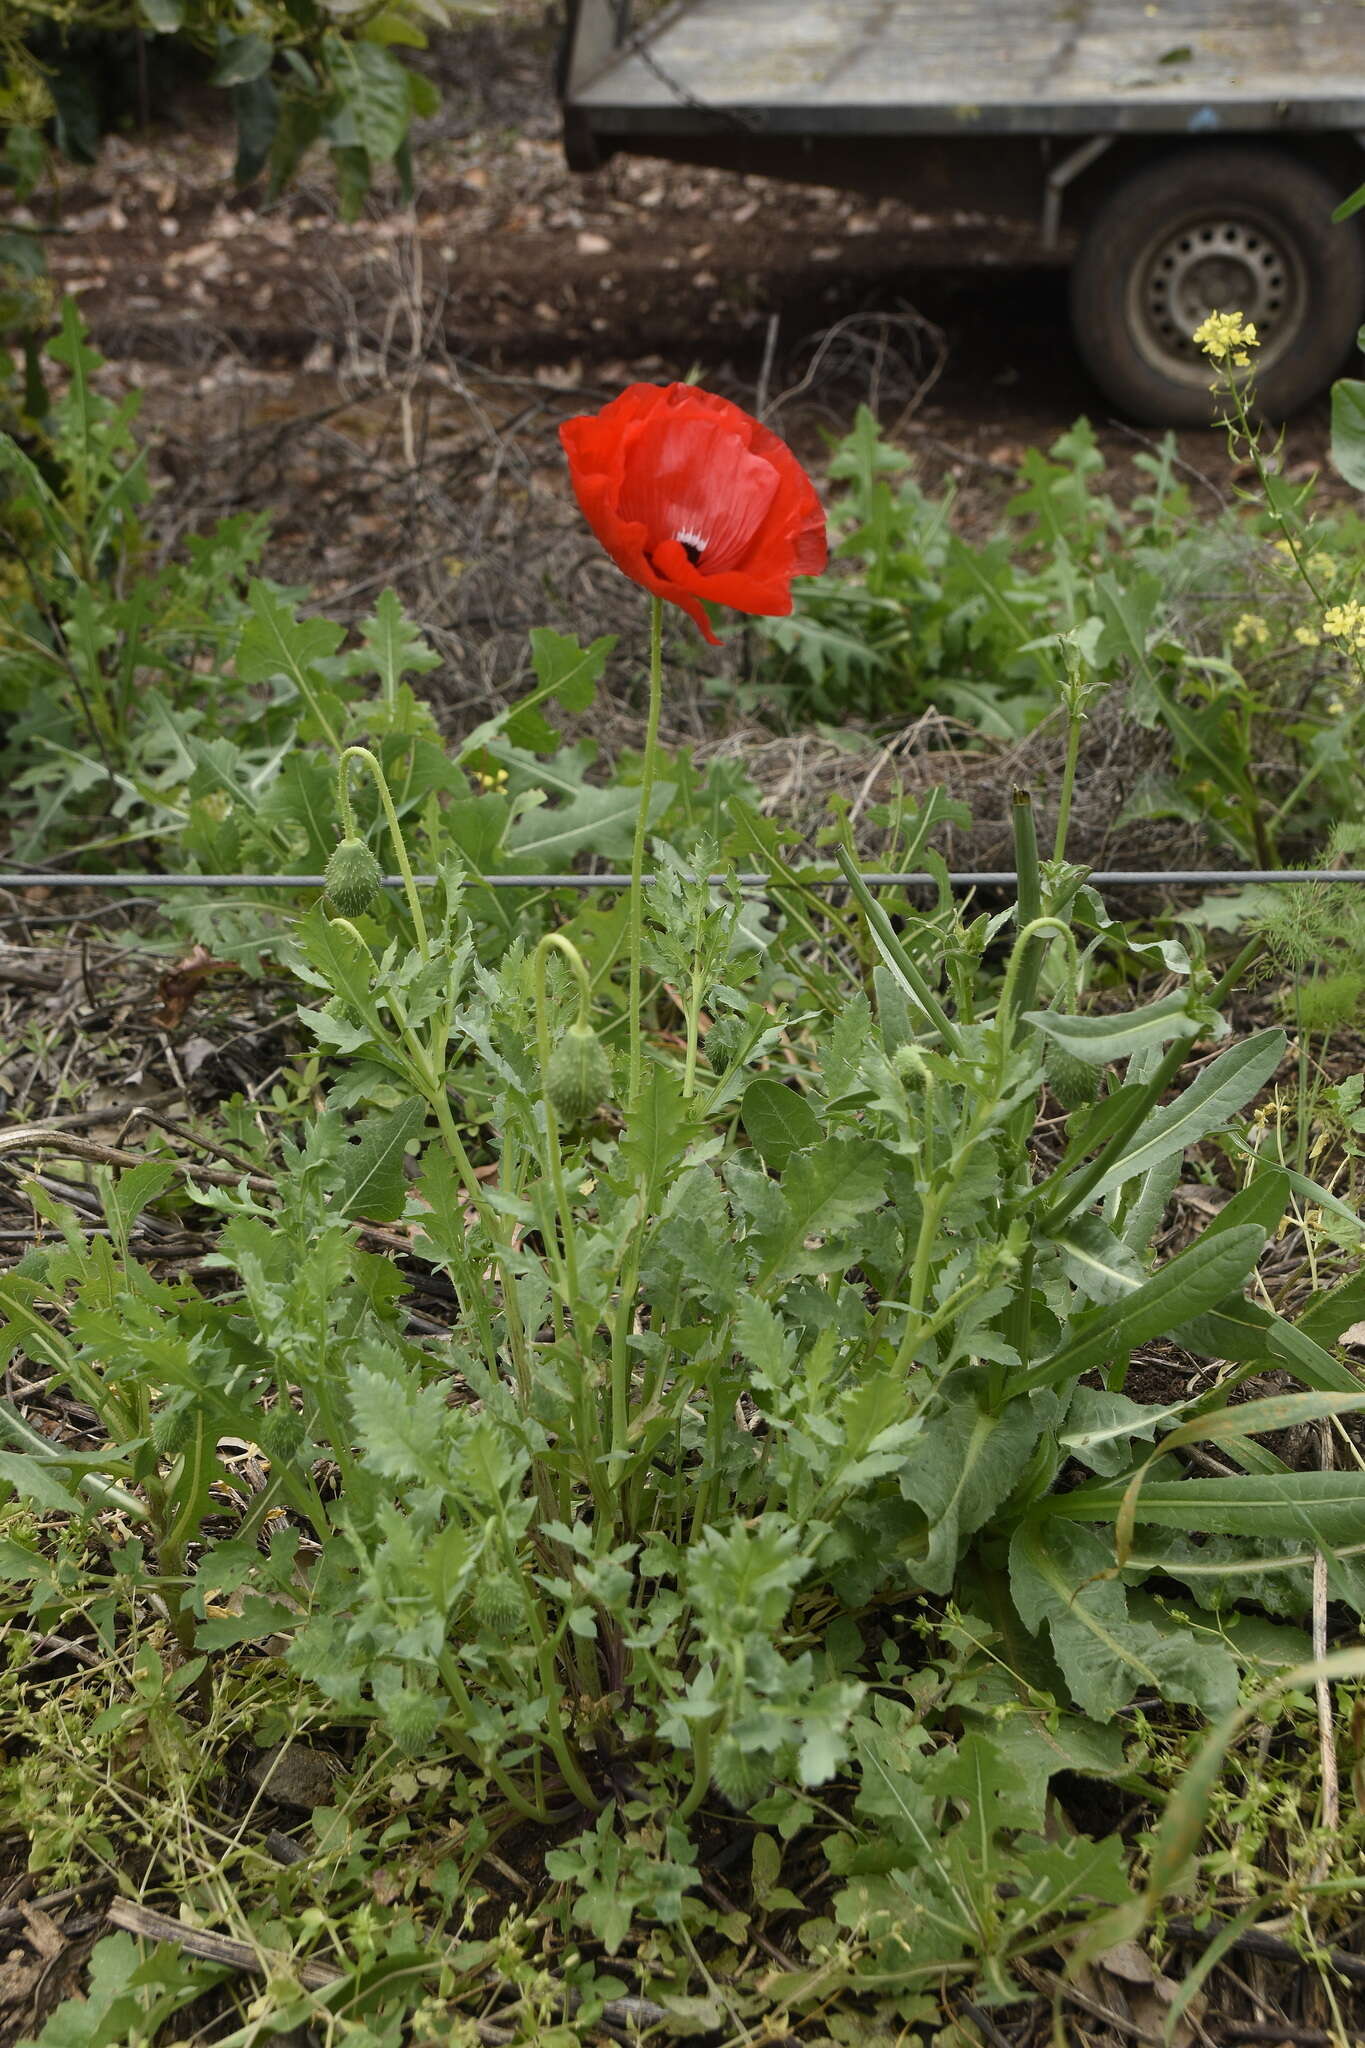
point(694, 499)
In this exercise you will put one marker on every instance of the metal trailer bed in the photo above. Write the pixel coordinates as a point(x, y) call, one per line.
point(1200, 147)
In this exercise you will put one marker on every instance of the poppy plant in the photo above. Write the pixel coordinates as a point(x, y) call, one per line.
point(694, 499)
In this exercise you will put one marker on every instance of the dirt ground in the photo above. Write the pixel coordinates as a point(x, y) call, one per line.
point(389, 390)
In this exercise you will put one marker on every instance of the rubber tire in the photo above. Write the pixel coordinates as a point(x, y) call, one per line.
point(1294, 200)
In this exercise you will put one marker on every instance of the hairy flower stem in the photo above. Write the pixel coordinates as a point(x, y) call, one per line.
point(555, 941)
point(1029, 886)
point(1075, 719)
point(381, 782)
point(637, 858)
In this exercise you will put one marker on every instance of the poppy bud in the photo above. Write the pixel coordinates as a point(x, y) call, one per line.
point(172, 1429)
point(1072, 1082)
point(412, 1719)
point(722, 1042)
point(739, 1778)
point(353, 878)
point(498, 1603)
point(280, 1434)
point(578, 1077)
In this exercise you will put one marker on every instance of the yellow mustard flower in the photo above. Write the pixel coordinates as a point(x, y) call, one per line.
point(1345, 622)
point(1225, 336)
point(1308, 636)
point(1251, 630)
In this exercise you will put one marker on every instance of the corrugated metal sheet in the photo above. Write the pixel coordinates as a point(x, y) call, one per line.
point(890, 65)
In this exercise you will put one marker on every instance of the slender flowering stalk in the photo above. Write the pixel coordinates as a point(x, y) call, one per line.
point(696, 502)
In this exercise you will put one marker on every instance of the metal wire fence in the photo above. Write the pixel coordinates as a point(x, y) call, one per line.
point(959, 878)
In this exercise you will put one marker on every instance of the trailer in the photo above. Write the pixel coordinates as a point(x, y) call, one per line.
point(1185, 156)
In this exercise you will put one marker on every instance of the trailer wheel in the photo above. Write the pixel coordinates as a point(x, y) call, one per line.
point(1216, 230)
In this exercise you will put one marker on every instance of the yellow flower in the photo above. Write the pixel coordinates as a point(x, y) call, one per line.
point(491, 779)
point(1308, 636)
point(1250, 630)
point(1345, 622)
point(1322, 565)
point(1225, 335)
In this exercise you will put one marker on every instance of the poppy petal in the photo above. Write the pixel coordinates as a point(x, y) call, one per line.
point(692, 498)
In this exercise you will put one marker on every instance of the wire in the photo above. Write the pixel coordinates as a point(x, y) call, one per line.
point(965, 878)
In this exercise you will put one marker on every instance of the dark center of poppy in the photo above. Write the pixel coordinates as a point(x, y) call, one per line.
point(693, 546)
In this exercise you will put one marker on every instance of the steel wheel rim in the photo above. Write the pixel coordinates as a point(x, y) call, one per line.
point(1214, 262)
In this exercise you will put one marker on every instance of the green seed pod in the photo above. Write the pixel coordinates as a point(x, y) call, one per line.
point(172, 1429)
point(1072, 1082)
point(739, 1778)
point(280, 1434)
point(722, 1042)
point(412, 1719)
point(578, 1078)
point(353, 878)
point(498, 1603)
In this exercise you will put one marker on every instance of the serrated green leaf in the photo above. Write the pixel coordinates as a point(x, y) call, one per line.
point(820, 1192)
point(966, 1461)
point(373, 1181)
point(778, 1120)
point(1062, 1575)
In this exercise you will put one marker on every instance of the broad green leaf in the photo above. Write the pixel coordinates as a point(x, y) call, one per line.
point(658, 1132)
point(778, 1120)
point(1201, 1275)
point(1325, 1508)
point(966, 1461)
point(565, 669)
point(1098, 1264)
point(256, 108)
point(1102, 1430)
point(1224, 1087)
point(1226, 1425)
point(1063, 1575)
point(399, 1424)
point(1100, 1039)
point(375, 98)
point(241, 58)
point(343, 960)
point(274, 643)
point(373, 1182)
point(979, 1777)
point(34, 1479)
point(1348, 416)
point(1327, 1314)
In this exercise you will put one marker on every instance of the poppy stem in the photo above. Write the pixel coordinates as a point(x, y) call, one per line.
point(637, 859)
